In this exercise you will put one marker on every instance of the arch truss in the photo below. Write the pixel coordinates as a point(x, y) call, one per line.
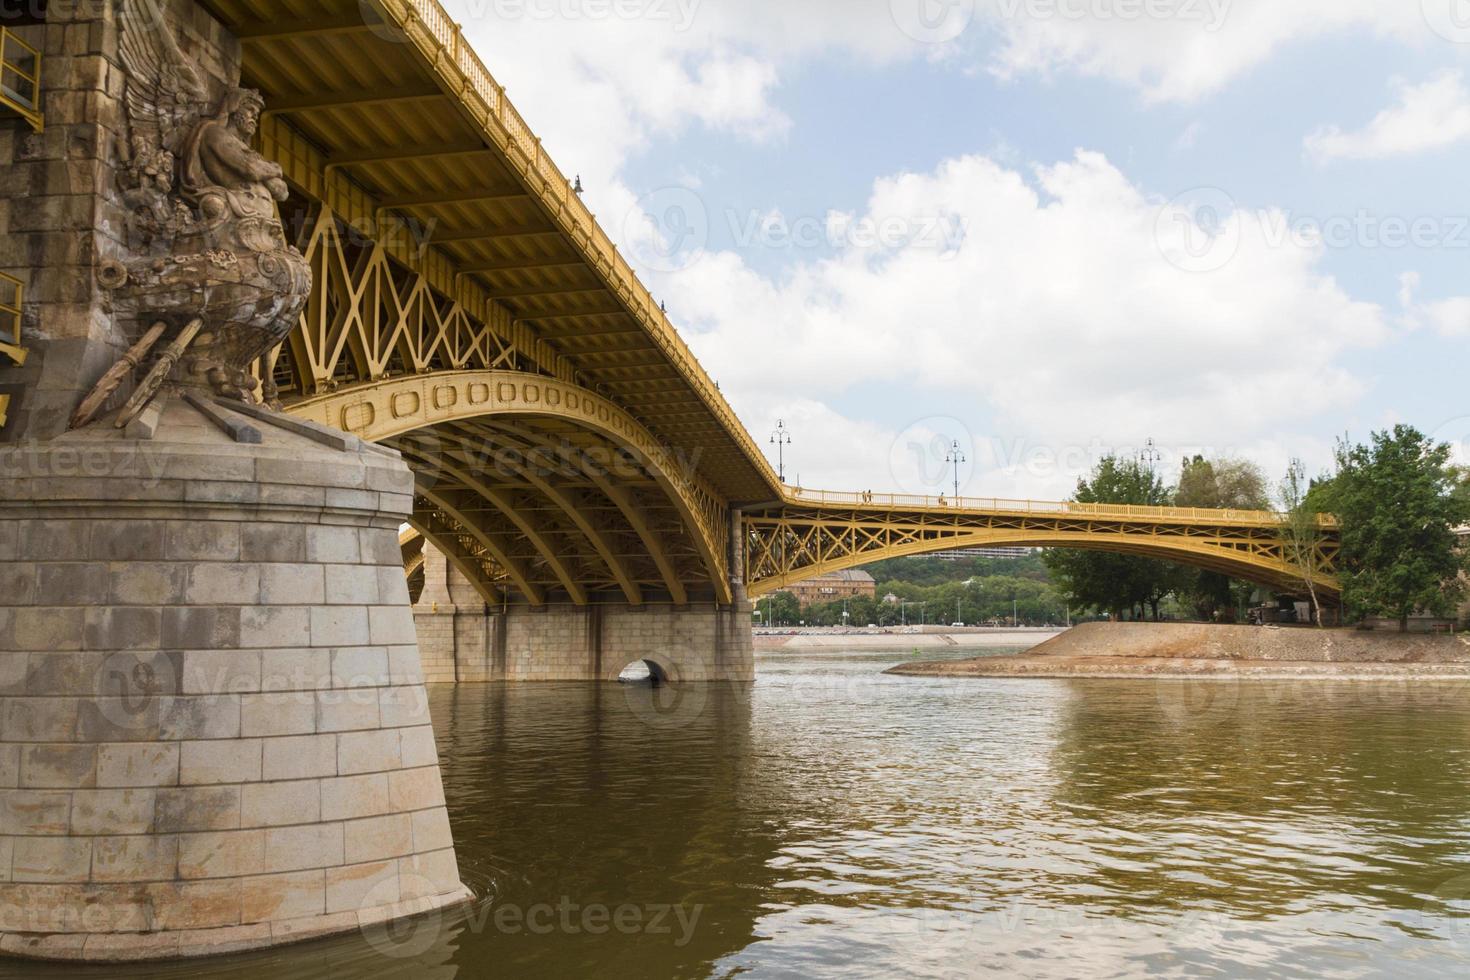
point(541, 491)
point(804, 539)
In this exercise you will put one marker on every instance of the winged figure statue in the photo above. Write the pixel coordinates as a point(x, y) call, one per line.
point(207, 256)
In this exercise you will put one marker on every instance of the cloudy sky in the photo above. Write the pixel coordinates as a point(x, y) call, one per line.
point(1048, 229)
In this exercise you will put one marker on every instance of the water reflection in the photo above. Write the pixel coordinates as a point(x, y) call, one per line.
point(830, 820)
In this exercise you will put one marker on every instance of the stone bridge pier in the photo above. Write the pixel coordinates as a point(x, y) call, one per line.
point(464, 640)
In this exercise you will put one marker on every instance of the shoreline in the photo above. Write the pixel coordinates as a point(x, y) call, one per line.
point(940, 639)
point(1133, 651)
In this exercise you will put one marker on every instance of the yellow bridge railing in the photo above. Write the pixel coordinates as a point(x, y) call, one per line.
point(20, 77)
point(429, 26)
point(12, 291)
point(798, 496)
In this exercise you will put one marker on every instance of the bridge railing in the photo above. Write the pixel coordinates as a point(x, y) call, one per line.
point(900, 501)
point(20, 77)
point(486, 100)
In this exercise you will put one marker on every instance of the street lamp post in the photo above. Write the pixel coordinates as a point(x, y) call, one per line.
point(781, 438)
point(956, 457)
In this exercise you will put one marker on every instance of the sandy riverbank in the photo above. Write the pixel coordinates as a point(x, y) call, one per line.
point(1134, 650)
point(976, 639)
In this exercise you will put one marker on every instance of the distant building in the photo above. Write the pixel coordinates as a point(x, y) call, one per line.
point(964, 554)
point(835, 586)
point(890, 600)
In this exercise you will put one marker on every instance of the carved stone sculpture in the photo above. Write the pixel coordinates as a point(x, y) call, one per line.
point(205, 239)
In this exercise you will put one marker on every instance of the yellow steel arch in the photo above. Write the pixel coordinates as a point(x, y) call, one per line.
point(800, 540)
point(387, 409)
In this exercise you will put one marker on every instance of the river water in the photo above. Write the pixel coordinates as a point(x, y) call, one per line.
point(833, 821)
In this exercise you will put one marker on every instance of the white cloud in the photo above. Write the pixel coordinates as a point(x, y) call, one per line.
point(1052, 310)
point(1426, 117)
point(1194, 48)
point(1450, 318)
point(1056, 313)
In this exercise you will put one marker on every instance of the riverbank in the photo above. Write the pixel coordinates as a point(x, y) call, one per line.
point(930, 638)
point(1143, 650)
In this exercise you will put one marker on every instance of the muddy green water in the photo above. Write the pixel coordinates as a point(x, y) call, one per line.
point(831, 821)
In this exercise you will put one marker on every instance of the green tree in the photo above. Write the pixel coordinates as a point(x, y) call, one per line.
point(1400, 502)
point(1303, 532)
point(1222, 484)
point(780, 609)
point(1108, 582)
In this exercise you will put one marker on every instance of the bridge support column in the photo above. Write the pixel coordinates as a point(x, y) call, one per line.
point(464, 641)
point(213, 727)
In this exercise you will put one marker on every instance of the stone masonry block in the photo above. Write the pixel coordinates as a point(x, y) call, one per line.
point(306, 846)
point(266, 898)
point(333, 545)
point(300, 757)
point(368, 752)
point(197, 808)
point(219, 583)
point(214, 762)
point(280, 804)
point(353, 585)
point(139, 858)
point(96, 812)
point(138, 765)
point(349, 888)
point(293, 584)
point(376, 838)
point(278, 713)
point(353, 797)
point(339, 626)
point(221, 854)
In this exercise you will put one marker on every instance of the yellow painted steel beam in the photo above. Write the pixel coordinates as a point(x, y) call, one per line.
point(20, 65)
point(397, 153)
point(442, 466)
point(494, 543)
point(573, 512)
point(353, 23)
point(464, 195)
point(623, 500)
point(438, 529)
point(783, 548)
point(356, 98)
point(383, 410)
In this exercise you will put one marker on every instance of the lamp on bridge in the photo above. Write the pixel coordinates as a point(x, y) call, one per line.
point(781, 438)
point(956, 457)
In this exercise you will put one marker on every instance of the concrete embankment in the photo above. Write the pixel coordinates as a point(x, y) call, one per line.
point(980, 639)
point(1129, 650)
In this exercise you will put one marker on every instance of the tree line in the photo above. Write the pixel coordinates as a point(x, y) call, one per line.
point(1398, 499)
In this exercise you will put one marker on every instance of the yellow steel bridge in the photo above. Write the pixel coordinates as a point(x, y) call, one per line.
point(470, 312)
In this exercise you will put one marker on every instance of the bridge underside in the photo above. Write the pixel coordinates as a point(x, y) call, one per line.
point(793, 543)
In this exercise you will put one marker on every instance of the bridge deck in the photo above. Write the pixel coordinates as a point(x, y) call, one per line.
point(383, 112)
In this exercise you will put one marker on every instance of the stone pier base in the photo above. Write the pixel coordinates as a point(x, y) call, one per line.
point(213, 727)
point(461, 640)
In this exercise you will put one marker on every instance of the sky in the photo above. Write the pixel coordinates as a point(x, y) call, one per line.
point(1045, 230)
